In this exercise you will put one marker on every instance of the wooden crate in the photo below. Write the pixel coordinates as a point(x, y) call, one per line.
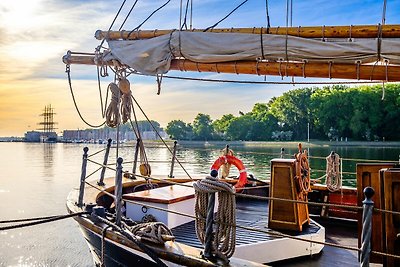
point(368, 175)
point(285, 215)
point(391, 193)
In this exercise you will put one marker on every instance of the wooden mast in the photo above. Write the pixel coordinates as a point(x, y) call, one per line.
point(297, 69)
point(378, 71)
point(353, 31)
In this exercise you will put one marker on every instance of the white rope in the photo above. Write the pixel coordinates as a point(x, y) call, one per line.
point(225, 168)
point(225, 232)
point(333, 173)
point(113, 118)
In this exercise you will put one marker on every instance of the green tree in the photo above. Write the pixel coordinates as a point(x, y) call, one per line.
point(292, 109)
point(202, 127)
point(239, 128)
point(178, 130)
point(221, 125)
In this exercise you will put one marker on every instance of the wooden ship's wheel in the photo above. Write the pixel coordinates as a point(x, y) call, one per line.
point(302, 179)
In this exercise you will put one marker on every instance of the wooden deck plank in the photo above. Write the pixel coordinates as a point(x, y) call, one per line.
point(249, 213)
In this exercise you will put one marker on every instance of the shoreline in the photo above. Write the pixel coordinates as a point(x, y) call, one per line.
point(314, 143)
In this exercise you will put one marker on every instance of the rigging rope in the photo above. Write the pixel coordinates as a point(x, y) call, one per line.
point(162, 139)
point(146, 249)
point(333, 174)
point(154, 232)
point(39, 220)
point(224, 239)
point(230, 13)
point(140, 25)
point(68, 71)
point(384, 12)
point(267, 15)
point(123, 23)
point(112, 23)
point(259, 82)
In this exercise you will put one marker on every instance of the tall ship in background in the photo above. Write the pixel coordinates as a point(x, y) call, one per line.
point(46, 133)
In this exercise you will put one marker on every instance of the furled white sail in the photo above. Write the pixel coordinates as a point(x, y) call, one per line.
point(153, 56)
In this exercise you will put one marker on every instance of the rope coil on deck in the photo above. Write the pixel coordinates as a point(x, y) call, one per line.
point(225, 235)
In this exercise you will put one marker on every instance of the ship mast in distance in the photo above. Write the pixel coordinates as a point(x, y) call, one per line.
point(47, 125)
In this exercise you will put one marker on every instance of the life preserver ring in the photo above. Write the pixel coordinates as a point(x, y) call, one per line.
point(234, 161)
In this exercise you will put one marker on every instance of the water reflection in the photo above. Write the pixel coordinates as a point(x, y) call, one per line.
point(48, 160)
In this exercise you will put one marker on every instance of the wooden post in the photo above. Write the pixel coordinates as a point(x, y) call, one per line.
point(83, 176)
point(136, 156)
point(368, 207)
point(171, 173)
point(209, 222)
point(118, 192)
point(103, 170)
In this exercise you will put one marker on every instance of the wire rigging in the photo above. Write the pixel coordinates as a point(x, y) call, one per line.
point(267, 16)
point(230, 13)
point(129, 13)
point(184, 24)
point(112, 23)
point(384, 12)
point(141, 24)
point(68, 71)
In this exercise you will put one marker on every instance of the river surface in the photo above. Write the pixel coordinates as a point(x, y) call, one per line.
point(35, 180)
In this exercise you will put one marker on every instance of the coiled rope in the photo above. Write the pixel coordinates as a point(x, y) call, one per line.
point(333, 174)
point(225, 233)
point(113, 118)
point(154, 232)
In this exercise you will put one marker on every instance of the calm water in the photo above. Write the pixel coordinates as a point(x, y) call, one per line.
point(35, 180)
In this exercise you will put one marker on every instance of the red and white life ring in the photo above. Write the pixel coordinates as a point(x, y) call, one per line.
point(235, 161)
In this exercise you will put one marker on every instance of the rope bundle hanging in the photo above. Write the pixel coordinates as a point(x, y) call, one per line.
point(302, 179)
point(154, 232)
point(333, 174)
point(113, 118)
point(225, 168)
point(120, 107)
point(126, 99)
point(224, 238)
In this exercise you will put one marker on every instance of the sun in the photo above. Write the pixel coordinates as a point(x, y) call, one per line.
point(20, 15)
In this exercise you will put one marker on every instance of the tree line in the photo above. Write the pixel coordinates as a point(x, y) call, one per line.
point(329, 113)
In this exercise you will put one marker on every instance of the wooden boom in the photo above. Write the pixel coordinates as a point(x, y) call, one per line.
point(353, 31)
point(390, 73)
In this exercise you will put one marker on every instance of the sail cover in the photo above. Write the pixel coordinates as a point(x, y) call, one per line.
point(153, 56)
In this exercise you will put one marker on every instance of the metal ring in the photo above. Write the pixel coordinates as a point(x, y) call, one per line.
point(257, 67)
point(235, 66)
point(144, 209)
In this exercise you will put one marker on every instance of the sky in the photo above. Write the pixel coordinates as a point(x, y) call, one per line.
point(35, 34)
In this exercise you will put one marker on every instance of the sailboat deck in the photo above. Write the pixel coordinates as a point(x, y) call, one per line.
point(253, 214)
point(249, 213)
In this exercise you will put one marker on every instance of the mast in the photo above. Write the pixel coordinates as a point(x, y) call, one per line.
point(47, 125)
point(295, 69)
point(376, 71)
point(351, 31)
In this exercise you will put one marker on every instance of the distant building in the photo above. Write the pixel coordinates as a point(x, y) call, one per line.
point(32, 136)
point(100, 135)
